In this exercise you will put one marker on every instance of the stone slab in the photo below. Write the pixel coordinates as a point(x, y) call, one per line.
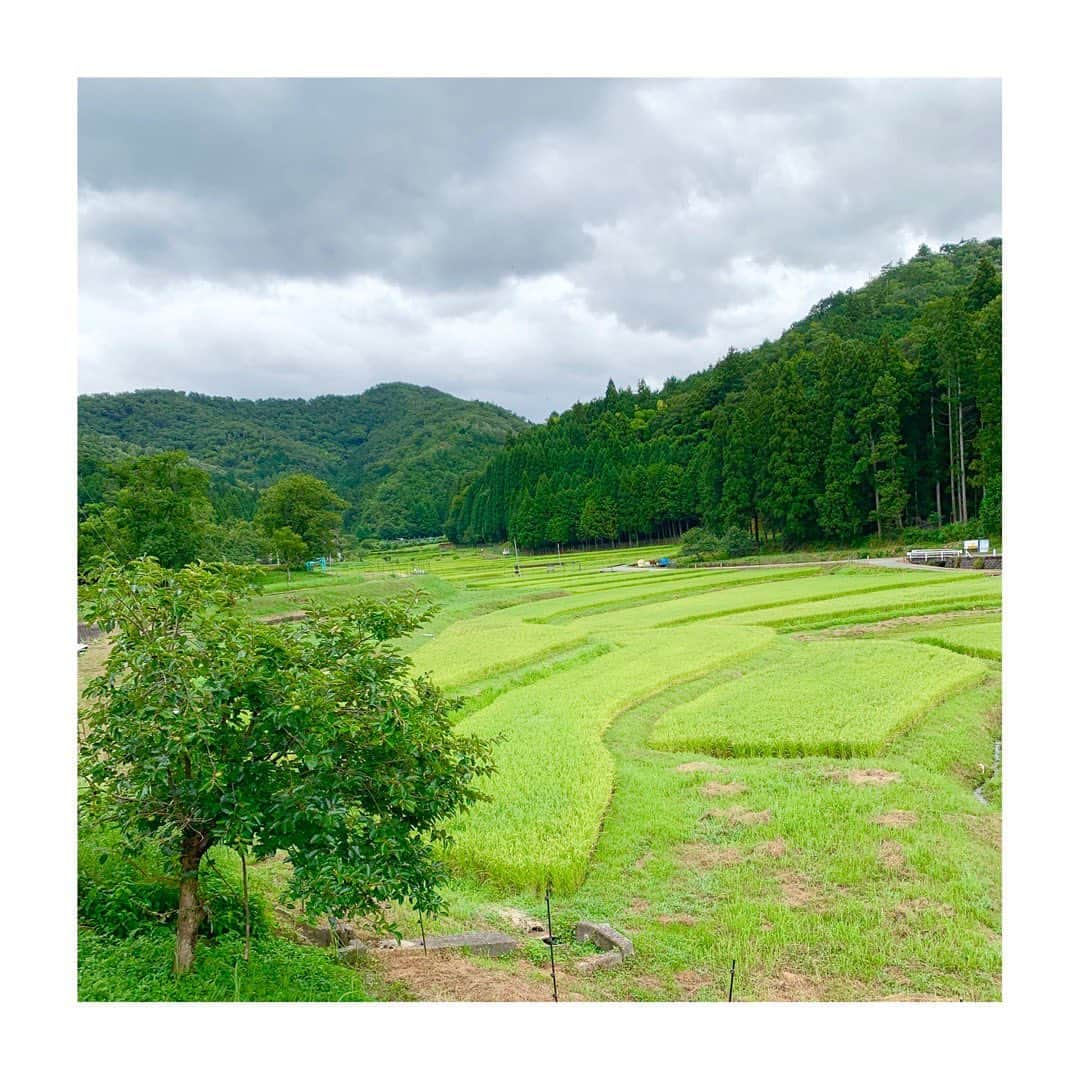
point(611, 958)
point(604, 936)
point(480, 942)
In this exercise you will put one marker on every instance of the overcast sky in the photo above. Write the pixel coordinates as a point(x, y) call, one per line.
point(515, 241)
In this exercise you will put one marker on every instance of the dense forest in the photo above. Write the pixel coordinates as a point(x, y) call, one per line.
point(881, 409)
point(395, 453)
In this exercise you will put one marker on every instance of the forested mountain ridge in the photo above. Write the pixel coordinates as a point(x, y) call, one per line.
point(396, 452)
point(881, 408)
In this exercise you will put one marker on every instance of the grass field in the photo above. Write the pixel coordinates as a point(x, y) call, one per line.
point(773, 765)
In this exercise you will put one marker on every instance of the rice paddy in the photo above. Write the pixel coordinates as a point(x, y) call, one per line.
point(775, 765)
point(828, 698)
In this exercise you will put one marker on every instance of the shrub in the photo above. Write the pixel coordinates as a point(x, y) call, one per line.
point(736, 543)
point(123, 893)
point(697, 542)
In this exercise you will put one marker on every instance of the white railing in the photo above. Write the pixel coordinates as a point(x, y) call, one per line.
point(925, 555)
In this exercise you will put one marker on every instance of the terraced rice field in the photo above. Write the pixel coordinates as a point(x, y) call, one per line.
point(978, 639)
point(775, 765)
point(827, 698)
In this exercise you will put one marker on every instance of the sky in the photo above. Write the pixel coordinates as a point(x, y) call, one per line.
point(513, 241)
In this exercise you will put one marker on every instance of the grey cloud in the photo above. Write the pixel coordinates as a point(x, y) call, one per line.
point(674, 217)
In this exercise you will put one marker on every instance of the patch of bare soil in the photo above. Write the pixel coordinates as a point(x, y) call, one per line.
point(92, 662)
point(639, 905)
point(640, 864)
point(773, 848)
point(908, 909)
point(681, 919)
point(793, 986)
point(797, 892)
point(714, 788)
point(650, 983)
point(521, 920)
point(697, 766)
point(740, 815)
point(690, 982)
point(707, 856)
point(916, 997)
point(897, 819)
point(875, 777)
point(453, 977)
point(984, 827)
point(891, 855)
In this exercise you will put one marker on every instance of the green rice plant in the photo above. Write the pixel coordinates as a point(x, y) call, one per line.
point(977, 639)
point(907, 607)
point(678, 585)
point(952, 592)
point(554, 774)
point(830, 698)
point(474, 649)
point(753, 592)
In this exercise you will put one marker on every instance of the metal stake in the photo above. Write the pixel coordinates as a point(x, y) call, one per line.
point(551, 945)
point(423, 936)
point(731, 984)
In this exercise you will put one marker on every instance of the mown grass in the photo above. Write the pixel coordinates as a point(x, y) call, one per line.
point(836, 698)
point(554, 774)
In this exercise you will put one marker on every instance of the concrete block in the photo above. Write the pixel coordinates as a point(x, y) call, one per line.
point(604, 936)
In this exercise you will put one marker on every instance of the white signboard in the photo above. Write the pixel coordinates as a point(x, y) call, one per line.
point(984, 546)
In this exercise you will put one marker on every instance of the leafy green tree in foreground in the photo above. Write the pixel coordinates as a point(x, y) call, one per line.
point(306, 505)
point(311, 738)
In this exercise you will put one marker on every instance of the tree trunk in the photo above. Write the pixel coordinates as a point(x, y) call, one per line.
point(960, 429)
point(877, 495)
point(193, 847)
point(937, 474)
point(952, 451)
point(247, 908)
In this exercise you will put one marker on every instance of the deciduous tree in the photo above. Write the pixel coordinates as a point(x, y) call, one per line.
point(310, 737)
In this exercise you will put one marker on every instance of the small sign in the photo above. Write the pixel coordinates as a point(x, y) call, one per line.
point(971, 545)
point(984, 547)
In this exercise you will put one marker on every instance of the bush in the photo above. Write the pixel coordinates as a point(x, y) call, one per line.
point(140, 969)
point(703, 545)
point(123, 894)
point(697, 542)
point(736, 543)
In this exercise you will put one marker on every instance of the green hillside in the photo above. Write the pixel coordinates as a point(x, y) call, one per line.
point(879, 410)
point(396, 452)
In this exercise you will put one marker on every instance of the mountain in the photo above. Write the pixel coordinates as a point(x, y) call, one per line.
point(880, 409)
point(396, 452)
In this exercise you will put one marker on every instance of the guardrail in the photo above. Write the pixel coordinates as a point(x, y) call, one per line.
point(926, 555)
